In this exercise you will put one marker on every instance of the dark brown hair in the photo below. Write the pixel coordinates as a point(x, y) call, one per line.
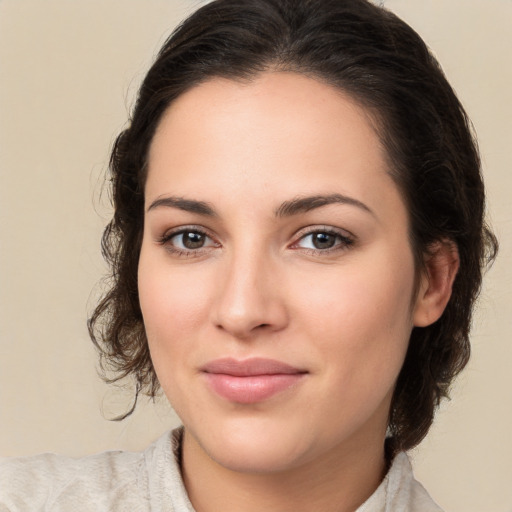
point(384, 65)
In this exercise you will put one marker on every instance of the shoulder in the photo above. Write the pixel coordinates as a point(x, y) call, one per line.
point(400, 491)
point(107, 481)
point(405, 489)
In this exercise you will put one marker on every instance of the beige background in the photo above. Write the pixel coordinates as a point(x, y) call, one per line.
point(68, 73)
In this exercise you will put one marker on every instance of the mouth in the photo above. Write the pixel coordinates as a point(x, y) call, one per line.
point(251, 380)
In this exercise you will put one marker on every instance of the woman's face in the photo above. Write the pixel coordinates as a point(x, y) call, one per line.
point(276, 276)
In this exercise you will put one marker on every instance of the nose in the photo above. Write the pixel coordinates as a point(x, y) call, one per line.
point(250, 297)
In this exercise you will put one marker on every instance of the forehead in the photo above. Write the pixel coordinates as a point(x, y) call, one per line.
point(282, 131)
point(276, 103)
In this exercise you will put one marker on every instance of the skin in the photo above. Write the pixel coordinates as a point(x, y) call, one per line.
point(258, 288)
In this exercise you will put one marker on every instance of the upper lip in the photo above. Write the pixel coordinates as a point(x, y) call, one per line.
point(249, 367)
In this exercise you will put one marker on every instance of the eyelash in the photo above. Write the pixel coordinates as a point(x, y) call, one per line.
point(166, 238)
point(345, 241)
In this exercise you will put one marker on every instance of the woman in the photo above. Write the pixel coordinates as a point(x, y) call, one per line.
point(297, 245)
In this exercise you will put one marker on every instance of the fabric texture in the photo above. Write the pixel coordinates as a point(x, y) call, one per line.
point(151, 481)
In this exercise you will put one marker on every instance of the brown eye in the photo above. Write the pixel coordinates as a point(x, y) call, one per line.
point(187, 240)
point(192, 239)
point(323, 240)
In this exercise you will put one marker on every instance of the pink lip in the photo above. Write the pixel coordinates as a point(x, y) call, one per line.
point(251, 380)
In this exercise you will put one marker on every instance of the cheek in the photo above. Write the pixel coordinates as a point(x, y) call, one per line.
point(361, 290)
point(174, 306)
point(362, 313)
point(174, 311)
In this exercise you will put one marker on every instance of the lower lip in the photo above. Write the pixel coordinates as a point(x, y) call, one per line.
point(251, 389)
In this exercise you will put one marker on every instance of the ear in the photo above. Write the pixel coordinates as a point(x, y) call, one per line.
point(440, 268)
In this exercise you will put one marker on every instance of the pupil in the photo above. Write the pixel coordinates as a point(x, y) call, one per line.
point(323, 240)
point(193, 240)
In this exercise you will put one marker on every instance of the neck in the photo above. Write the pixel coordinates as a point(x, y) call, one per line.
point(339, 481)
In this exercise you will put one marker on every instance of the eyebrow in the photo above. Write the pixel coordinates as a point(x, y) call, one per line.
point(286, 209)
point(306, 204)
point(187, 205)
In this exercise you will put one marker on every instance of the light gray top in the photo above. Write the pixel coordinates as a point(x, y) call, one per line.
point(151, 481)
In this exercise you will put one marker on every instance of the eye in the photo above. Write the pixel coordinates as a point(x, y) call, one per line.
point(323, 240)
point(187, 241)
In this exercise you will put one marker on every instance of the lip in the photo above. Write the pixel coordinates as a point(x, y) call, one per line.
point(251, 380)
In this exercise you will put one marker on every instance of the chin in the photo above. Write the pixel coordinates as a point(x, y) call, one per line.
point(257, 445)
point(257, 456)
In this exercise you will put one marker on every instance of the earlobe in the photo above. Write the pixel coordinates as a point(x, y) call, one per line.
point(440, 268)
